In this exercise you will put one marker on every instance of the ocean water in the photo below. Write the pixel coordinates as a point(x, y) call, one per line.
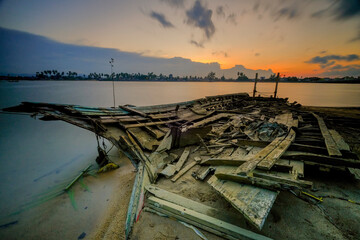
point(36, 156)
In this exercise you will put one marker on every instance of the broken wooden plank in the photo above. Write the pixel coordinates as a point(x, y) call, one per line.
point(145, 140)
point(182, 159)
point(150, 123)
point(164, 213)
point(253, 202)
point(272, 157)
point(194, 205)
point(279, 166)
point(169, 170)
point(184, 170)
point(250, 165)
point(321, 159)
point(132, 110)
point(293, 147)
point(283, 180)
point(202, 219)
point(165, 144)
point(339, 140)
point(203, 143)
point(329, 141)
point(154, 132)
point(211, 119)
point(137, 198)
point(256, 181)
point(148, 166)
point(201, 176)
point(219, 131)
point(297, 166)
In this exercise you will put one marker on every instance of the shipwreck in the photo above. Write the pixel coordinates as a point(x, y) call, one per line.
point(247, 149)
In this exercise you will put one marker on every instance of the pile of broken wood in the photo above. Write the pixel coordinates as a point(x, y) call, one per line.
point(247, 149)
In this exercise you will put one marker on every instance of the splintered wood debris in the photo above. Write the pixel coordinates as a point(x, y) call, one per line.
point(252, 147)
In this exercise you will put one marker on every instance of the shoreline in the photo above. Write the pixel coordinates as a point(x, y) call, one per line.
point(205, 81)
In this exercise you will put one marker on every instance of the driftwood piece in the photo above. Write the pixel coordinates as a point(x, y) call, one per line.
point(329, 141)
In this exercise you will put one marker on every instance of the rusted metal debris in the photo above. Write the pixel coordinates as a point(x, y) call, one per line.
point(255, 147)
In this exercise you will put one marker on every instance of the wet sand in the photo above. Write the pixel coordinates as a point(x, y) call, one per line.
point(108, 195)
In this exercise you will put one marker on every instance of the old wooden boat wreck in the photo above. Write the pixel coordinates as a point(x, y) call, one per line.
point(248, 149)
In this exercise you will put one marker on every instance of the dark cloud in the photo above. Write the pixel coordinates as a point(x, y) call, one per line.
point(161, 19)
point(325, 59)
point(24, 53)
point(341, 71)
point(197, 44)
point(220, 11)
point(287, 12)
point(340, 10)
point(231, 19)
point(200, 16)
point(257, 54)
point(175, 3)
point(323, 52)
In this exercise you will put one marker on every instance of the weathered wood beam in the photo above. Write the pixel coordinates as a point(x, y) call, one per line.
point(150, 123)
point(182, 159)
point(329, 141)
point(339, 140)
point(281, 167)
point(252, 162)
point(193, 205)
point(272, 157)
point(322, 159)
point(269, 184)
point(202, 219)
point(132, 110)
point(184, 170)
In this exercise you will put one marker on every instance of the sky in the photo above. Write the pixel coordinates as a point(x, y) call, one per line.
point(294, 37)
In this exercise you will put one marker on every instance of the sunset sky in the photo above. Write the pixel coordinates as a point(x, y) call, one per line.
point(294, 37)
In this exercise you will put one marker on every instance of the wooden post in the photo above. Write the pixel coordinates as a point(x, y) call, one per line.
point(256, 78)
point(276, 86)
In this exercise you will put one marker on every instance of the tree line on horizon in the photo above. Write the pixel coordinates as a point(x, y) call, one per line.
point(151, 76)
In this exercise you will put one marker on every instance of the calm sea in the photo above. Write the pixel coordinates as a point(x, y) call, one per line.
point(36, 156)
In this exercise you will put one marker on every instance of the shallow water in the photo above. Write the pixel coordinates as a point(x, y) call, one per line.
point(37, 156)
